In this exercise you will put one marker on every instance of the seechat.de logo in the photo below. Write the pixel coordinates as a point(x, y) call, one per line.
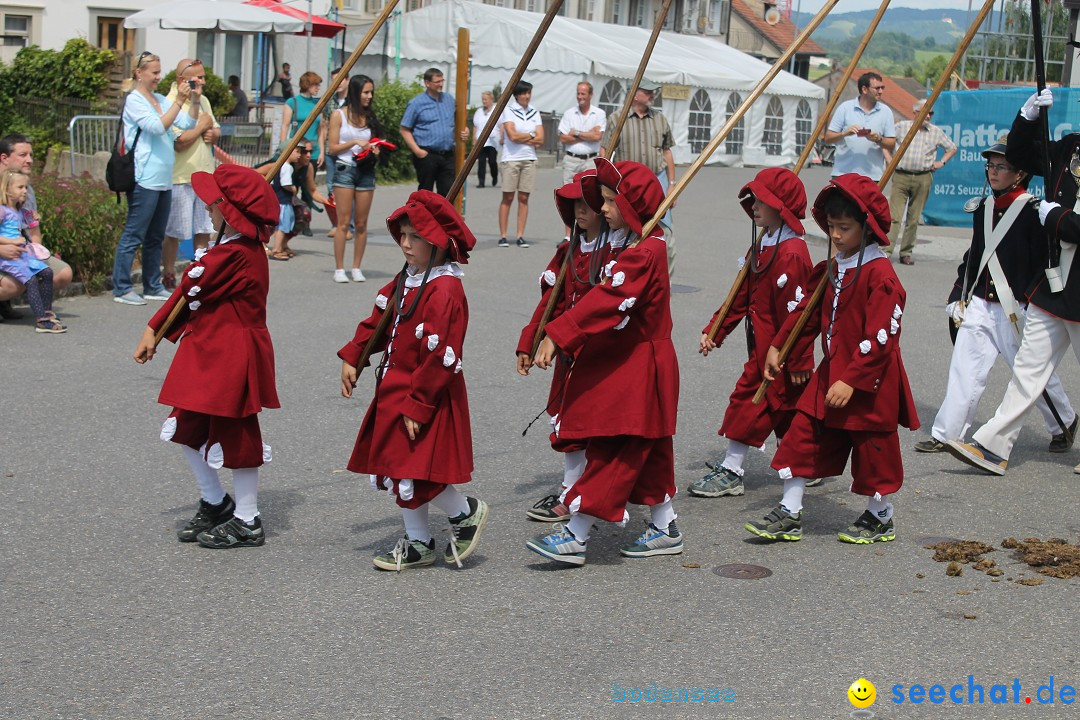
point(862, 693)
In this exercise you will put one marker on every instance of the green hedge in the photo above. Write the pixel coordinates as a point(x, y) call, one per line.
point(389, 104)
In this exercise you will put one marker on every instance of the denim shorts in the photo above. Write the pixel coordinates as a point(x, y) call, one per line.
point(351, 176)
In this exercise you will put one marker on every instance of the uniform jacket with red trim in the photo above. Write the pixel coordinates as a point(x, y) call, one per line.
point(422, 380)
point(224, 364)
point(767, 299)
point(625, 377)
point(864, 352)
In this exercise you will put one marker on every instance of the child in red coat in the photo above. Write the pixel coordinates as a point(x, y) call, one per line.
point(223, 372)
point(415, 440)
point(623, 390)
point(859, 393)
point(592, 245)
point(775, 284)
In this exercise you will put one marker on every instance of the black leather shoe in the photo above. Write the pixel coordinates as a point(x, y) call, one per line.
point(1062, 442)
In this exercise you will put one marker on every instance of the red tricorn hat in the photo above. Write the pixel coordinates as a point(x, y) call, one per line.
point(569, 194)
point(435, 220)
point(780, 189)
point(864, 192)
point(244, 196)
point(638, 192)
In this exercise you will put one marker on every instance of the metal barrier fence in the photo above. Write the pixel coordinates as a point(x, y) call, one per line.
point(53, 114)
point(90, 134)
point(244, 143)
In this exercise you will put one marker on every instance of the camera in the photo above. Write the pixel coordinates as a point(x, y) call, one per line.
point(193, 84)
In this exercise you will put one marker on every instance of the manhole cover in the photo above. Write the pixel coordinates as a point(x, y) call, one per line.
point(684, 289)
point(740, 571)
point(930, 540)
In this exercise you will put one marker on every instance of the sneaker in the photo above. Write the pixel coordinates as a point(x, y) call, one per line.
point(655, 541)
point(406, 554)
point(560, 546)
point(779, 524)
point(933, 445)
point(158, 295)
point(340, 276)
point(234, 532)
point(465, 533)
point(1062, 442)
point(977, 456)
point(550, 509)
point(814, 482)
point(503, 242)
point(719, 482)
point(356, 275)
point(868, 529)
point(207, 517)
point(129, 298)
point(521, 243)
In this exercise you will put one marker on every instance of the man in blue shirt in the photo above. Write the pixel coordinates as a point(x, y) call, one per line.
point(428, 129)
point(862, 129)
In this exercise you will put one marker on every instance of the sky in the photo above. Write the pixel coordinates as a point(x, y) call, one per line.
point(812, 6)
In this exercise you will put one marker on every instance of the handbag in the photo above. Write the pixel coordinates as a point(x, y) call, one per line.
point(120, 171)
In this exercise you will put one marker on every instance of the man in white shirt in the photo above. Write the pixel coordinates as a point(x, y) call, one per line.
point(580, 131)
point(523, 132)
point(862, 130)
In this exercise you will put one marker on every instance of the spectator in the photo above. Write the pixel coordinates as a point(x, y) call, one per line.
point(427, 127)
point(913, 179)
point(17, 154)
point(862, 129)
point(296, 112)
point(336, 102)
point(285, 190)
point(307, 193)
point(523, 129)
point(240, 109)
point(188, 216)
point(285, 80)
point(646, 138)
point(352, 129)
point(147, 118)
point(27, 268)
point(489, 154)
point(581, 130)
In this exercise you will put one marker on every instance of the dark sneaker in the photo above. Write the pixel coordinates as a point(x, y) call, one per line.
point(560, 546)
point(207, 517)
point(977, 456)
point(933, 445)
point(549, 509)
point(868, 529)
point(521, 243)
point(1062, 442)
point(465, 532)
point(406, 554)
point(234, 532)
point(779, 524)
point(719, 482)
point(655, 541)
point(814, 482)
point(503, 242)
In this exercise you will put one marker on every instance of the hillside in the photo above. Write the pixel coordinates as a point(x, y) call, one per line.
point(944, 26)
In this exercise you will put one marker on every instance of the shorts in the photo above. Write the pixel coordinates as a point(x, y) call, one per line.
point(187, 216)
point(222, 441)
point(287, 219)
point(518, 176)
point(360, 179)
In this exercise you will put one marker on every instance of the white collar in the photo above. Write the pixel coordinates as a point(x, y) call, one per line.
point(872, 252)
point(414, 275)
point(784, 233)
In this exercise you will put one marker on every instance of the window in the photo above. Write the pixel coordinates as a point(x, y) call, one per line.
point(804, 124)
point(370, 6)
point(616, 12)
point(700, 127)
point(611, 97)
point(112, 35)
point(773, 136)
point(204, 47)
point(733, 144)
point(586, 9)
point(16, 30)
point(234, 55)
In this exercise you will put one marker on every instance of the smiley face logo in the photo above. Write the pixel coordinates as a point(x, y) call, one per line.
point(862, 693)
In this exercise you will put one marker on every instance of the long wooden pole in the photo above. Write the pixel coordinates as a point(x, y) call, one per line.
point(463, 173)
point(461, 85)
point(613, 142)
point(823, 118)
point(819, 291)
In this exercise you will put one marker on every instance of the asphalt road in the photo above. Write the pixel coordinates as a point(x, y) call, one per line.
point(105, 615)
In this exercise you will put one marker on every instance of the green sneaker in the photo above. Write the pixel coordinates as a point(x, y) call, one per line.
point(779, 524)
point(721, 481)
point(465, 532)
point(868, 529)
point(655, 541)
point(407, 554)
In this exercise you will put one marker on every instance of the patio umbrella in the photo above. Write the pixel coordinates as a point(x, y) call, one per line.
point(213, 15)
point(320, 27)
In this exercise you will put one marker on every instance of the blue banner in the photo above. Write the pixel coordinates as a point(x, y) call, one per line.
point(974, 120)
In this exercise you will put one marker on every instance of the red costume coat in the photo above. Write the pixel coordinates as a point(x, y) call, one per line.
point(864, 353)
point(625, 377)
point(422, 381)
point(767, 299)
point(225, 364)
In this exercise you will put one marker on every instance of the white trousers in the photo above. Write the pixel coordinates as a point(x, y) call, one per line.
point(986, 334)
point(1046, 338)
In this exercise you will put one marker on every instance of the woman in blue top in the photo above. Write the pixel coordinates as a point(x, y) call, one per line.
point(296, 111)
point(149, 116)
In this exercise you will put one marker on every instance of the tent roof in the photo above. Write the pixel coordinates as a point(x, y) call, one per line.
point(229, 15)
point(320, 27)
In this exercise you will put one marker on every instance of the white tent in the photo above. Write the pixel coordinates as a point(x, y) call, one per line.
point(702, 77)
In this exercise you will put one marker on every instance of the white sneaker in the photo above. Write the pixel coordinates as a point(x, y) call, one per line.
point(357, 276)
point(340, 276)
point(129, 298)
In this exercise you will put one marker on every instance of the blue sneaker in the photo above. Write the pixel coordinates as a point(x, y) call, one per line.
point(129, 298)
point(560, 546)
point(655, 541)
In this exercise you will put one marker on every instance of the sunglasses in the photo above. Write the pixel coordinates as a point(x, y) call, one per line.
point(304, 151)
point(191, 64)
point(146, 56)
